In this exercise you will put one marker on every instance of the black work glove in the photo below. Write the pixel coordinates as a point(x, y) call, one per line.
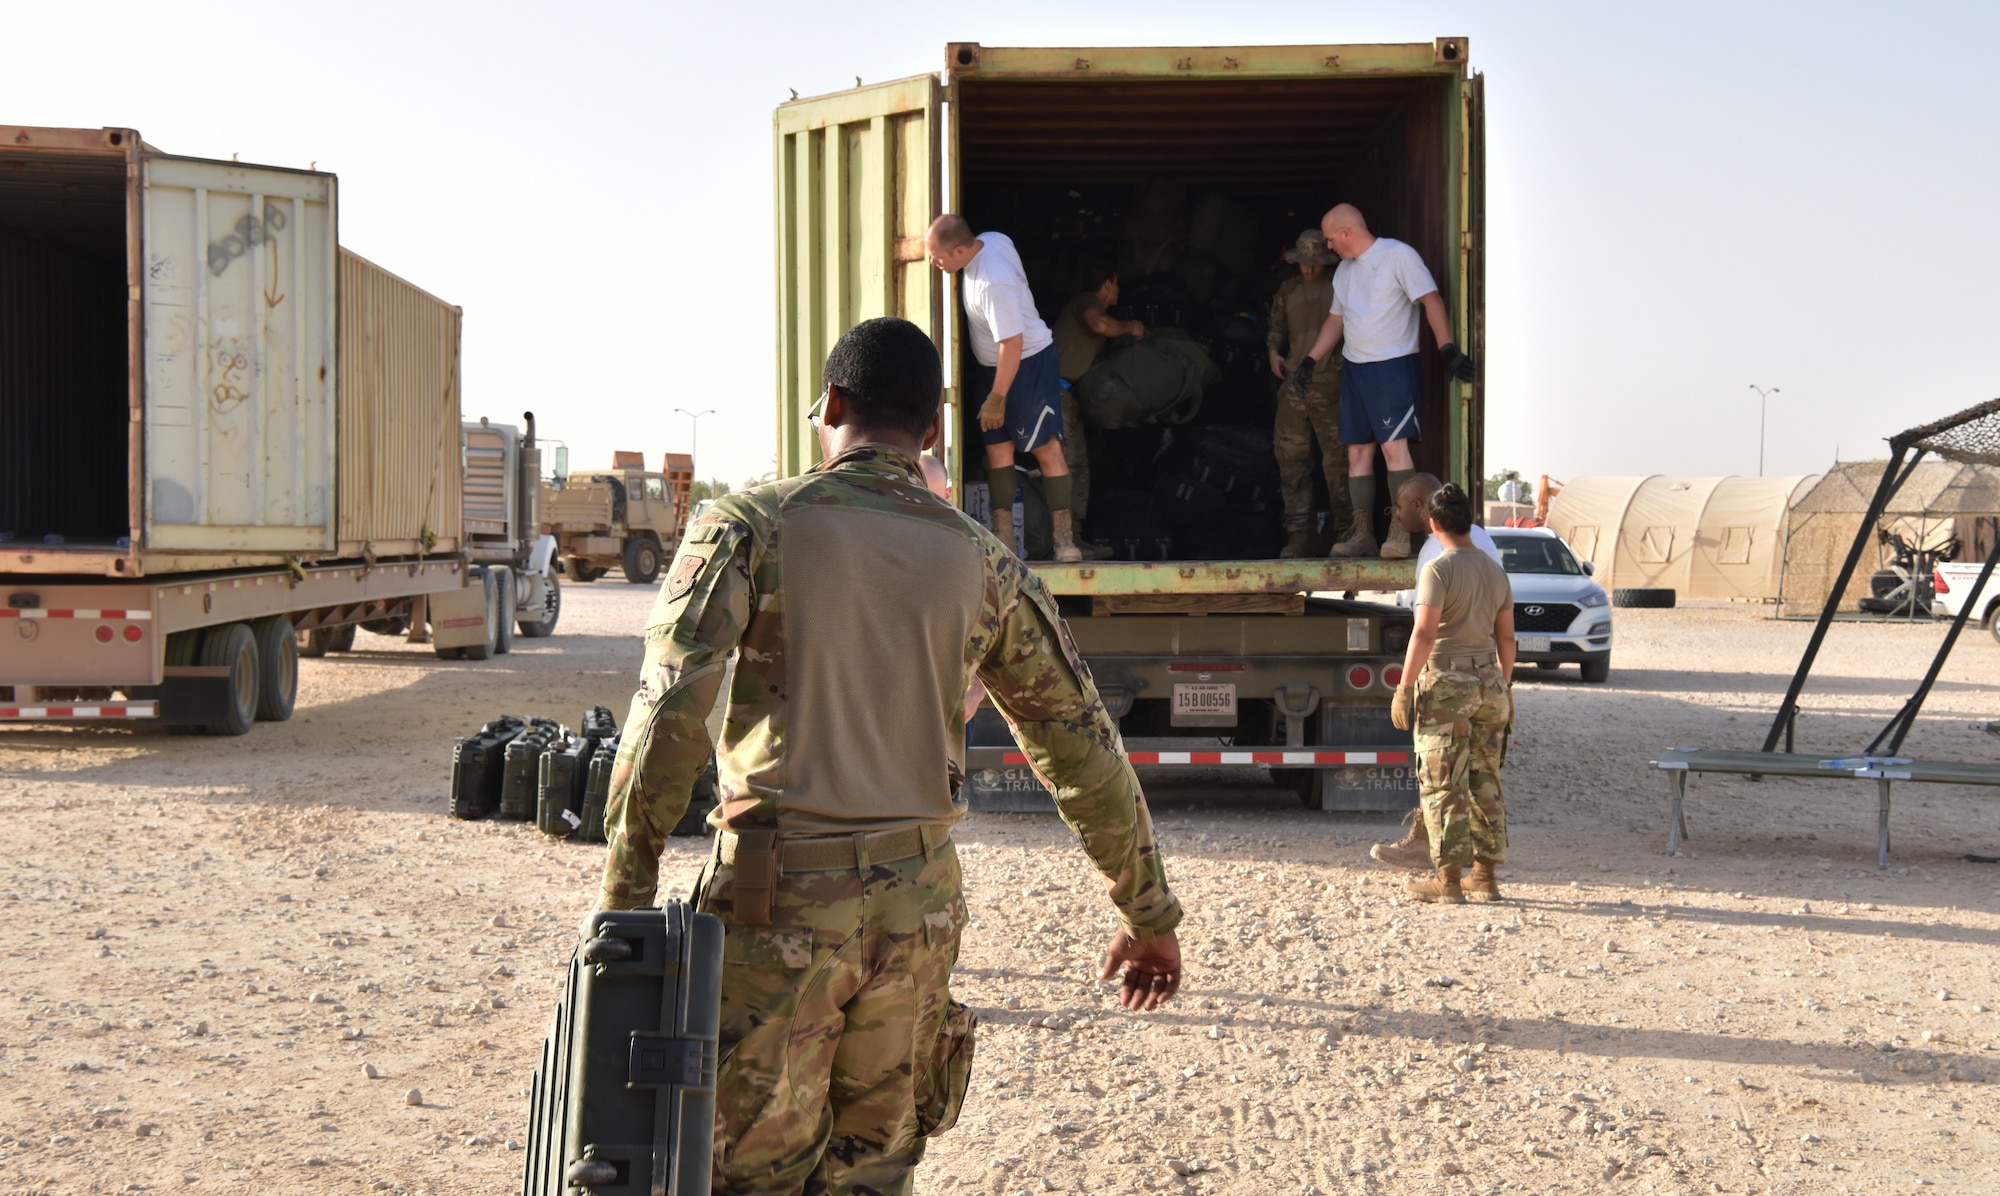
point(1456, 362)
point(1303, 376)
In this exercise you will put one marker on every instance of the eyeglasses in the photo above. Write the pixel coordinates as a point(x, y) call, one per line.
point(817, 411)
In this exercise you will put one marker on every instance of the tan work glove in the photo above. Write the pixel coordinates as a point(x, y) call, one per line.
point(1403, 710)
point(993, 412)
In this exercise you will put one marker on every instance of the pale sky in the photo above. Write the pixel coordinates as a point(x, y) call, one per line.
point(1683, 199)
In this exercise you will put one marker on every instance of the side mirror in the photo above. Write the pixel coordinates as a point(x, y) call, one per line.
point(1589, 570)
point(562, 461)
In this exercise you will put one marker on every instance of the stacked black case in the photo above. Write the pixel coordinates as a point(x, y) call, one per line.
point(477, 767)
point(624, 1099)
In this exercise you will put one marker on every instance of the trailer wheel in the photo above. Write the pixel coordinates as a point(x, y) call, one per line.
point(642, 562)
point(394, 626)
point(315, 643)
point(551, 607)
point(343, 638)
point(504, 606)
point(234, 647)
point(483, 651)
point(277, 668)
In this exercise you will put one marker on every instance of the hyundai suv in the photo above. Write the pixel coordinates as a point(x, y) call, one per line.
point(1561, 616)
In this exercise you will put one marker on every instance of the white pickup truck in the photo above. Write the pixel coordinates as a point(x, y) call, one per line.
point(1954, 581)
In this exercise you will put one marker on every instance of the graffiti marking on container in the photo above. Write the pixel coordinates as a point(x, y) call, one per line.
point(248, 233)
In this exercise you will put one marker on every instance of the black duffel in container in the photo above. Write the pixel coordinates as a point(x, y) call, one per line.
point(624, 1100)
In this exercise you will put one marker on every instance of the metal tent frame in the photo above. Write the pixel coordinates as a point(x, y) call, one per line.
point(1971, 437)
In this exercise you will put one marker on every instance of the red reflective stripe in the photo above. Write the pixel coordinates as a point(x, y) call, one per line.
point(10, 613)
point(10, 712)
point(62, 614)
point(111, 712)
point(62, 712)
point(1273, 757)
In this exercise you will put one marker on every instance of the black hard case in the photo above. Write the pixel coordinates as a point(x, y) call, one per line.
point(624, 1100)
point(597, 792)
point(524, 767)
point(476, 767)
point(559, 796)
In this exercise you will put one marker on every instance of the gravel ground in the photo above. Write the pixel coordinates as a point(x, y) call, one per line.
point(274, 962)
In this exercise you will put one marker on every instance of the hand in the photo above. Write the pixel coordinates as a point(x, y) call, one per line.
point(1152, 969)
point(1403, 710)
point(1303, 376)
point(1137, 330)
point(1277, 366)
point(1457, 364)
point(993, 412)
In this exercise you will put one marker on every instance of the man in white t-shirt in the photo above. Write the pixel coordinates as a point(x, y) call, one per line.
point(1017, 378)
point(1379, 288)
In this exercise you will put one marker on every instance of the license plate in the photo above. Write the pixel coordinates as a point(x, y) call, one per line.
point(1532, 643)
point(1205, 701)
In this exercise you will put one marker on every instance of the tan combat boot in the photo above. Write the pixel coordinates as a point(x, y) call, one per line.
point(1397, 546)
point(1482, 885)
point(1360, 539)
point(1412, 851)
point(1003, 526)
point(1444, 888)
point(1066, 550)
point(1295, 545)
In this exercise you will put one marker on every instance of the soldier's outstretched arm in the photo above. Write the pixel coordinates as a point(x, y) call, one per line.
point(1035, 679)
point(701, 613)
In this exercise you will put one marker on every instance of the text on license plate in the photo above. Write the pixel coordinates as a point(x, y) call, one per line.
point(1206, 701)
point(1533, 643)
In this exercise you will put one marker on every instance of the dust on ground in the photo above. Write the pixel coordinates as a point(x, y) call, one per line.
point(240, 964)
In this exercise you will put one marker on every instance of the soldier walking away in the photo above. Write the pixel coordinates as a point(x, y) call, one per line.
point(1461, 657)
point(1311, 412)
point(1080, 332)
point(1413, 503)
point(858, 605)
point(1378, 288)
point(1017, 372)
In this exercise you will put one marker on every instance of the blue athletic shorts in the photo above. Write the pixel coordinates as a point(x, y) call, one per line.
point(1379, 401)
point(1034, 402)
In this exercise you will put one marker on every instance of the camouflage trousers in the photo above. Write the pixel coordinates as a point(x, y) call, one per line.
point(838, 1027)
point(1302, 418)
point(1076, 454)
point(1463, 712)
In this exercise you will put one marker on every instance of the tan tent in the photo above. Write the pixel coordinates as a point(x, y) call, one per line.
point(1700, 537)
point(1940, 500)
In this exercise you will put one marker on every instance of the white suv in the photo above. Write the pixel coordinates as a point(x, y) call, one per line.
point(1561, 616)
point(1953, 581)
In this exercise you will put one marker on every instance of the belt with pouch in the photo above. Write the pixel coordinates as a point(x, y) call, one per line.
point(1467, 660)
point(760, 857)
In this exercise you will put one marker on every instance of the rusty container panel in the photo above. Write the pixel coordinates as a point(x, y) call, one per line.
point(399, 415)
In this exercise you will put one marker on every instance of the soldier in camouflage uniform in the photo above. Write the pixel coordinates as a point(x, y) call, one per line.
point(859, 606)
point(1456, 694)
point(1297, 310)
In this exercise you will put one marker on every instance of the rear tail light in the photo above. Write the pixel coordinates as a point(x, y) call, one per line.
point(132, 633)
point(1360, 676)
point(1937, 579)
point(1392, 676)
point(104, 633)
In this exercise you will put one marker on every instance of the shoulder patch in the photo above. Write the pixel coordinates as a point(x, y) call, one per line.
point(687, 571)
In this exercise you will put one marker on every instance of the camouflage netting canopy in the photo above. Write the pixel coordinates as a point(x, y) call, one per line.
point(1972, 437)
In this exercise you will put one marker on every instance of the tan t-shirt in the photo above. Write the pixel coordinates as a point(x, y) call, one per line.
point(1470, 589)
point(1077, 346)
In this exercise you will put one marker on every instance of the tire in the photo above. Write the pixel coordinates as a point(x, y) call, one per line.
point(234, 646)
point(1884, 581)
point(390, 627)
point(481, 651)
point(551, 607)
point(1597, 669)
point(315, 643)
point(343, 638)
point(1643, 598)
point(503, 610)
point(277, 668)
point(642, 562)
point(1993, 622)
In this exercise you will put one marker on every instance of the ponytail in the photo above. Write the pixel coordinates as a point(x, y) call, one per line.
point(1451, 509)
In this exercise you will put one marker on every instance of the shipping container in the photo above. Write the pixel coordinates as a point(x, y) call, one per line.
point(1188, 170)
point(399, 415)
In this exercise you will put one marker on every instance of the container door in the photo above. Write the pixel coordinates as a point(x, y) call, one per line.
point(239, 350)
point(1475, 298)
point(857, 177)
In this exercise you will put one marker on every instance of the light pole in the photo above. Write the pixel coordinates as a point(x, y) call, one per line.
point(1763, 397)
point(694, 433)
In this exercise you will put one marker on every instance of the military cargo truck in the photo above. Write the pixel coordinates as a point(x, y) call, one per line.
point(625, 518)
point(1207, 659)
point(219, 432)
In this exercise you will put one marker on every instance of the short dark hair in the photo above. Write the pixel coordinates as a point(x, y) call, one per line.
point(890, 372)
point(1451, 510)
point(1095, 277)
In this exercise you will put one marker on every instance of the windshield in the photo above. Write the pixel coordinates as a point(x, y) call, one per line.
point(1535, 554)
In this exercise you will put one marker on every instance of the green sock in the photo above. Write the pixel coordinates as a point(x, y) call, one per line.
point(1361, 490)
point(1396, 479)
point(1003, 482)
point(1059, 491)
